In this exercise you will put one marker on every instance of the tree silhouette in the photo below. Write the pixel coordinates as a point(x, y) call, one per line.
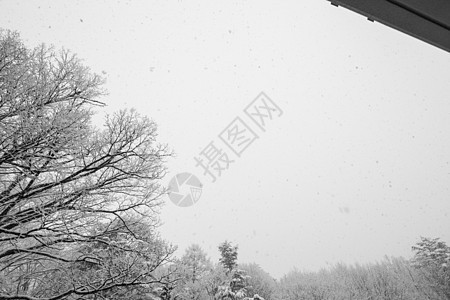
point(228, 256)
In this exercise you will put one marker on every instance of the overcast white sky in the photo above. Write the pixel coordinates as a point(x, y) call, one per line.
point(358, 165)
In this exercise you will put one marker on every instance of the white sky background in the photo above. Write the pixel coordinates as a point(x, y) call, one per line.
point(356, 168)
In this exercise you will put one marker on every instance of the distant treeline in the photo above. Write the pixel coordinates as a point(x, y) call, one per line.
point(426, 276)
point(394, 278)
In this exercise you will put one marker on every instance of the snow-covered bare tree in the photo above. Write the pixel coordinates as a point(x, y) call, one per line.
point(73, 199)
point(194, 270)
point(259, 282)
point(195, 263)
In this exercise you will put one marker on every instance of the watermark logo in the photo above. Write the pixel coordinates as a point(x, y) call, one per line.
point(262, 110)
point(213, 160)
point(185, 189)
point(237, 136)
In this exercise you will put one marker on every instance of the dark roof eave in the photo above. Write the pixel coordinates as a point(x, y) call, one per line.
point(393, 15)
